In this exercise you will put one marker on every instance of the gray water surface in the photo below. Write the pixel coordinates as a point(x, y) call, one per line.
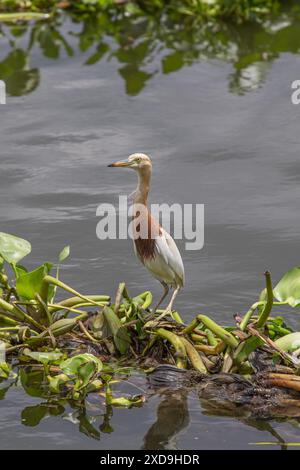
point(231, 146)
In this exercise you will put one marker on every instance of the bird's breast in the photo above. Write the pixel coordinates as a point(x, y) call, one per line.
point(145, 248)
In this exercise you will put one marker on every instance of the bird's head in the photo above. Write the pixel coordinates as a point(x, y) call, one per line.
point(136, 161)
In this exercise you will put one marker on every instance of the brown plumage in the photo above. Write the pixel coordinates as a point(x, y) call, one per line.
point(145, 247)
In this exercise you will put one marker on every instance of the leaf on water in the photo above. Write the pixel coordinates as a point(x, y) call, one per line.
point(279, 443)
point(44, 357)
point(30, 284)
point(135, 400)
point(72, 365)
point(85, 374)
point(64, 254)
point(288, 288)
point(12, 248)
point(94, 386)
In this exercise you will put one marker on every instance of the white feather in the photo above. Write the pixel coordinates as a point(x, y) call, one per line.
point(166, 265)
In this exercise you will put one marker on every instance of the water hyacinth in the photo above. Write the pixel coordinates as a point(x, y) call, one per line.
point(81, 343)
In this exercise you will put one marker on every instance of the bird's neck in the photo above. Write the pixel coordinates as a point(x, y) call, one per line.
point(143, 188)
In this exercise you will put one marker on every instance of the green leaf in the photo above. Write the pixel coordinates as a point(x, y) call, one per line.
point(13, 248)
point(119, 332)
point(123, 401)
point(4, 370)
point(57, 381)
point(127, 402)
point(44, 357)
point(85, 374)
point(94, 386)
point(289, 343)
point(20, 270)
point(30, 284)
point(72, 365)
point(143, 300)
point(64, 254)
point(288, 288)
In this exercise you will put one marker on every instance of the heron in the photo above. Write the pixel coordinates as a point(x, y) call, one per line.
point(156, 250)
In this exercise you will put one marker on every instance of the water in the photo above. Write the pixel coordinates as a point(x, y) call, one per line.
point(213, 109)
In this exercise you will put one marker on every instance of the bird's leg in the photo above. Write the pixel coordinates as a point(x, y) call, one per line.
point(165, 293)
point(170, 306)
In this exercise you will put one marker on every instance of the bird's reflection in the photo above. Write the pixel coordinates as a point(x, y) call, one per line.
point(172, 417)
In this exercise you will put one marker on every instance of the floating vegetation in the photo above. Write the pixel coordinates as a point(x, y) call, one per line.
point(86, 343)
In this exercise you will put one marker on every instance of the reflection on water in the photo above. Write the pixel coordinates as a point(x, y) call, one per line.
point(94, 420)
point(147, 46)
point(172, 417)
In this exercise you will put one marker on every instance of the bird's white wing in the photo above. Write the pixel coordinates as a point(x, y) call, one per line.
point(167, 263)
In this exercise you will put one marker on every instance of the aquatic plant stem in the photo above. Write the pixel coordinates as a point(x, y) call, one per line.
point(247, 317)
point(263, 317)
point(119, 296)
point(86, 333)
point(62, 285)
point(77, 301)
point(16, 312)
point(9, 320)
point(211, 350)
point(194, 356)
point(220, 332)
point(177, 344)
point(69, 309)
point(176, 317)
point(190, 327)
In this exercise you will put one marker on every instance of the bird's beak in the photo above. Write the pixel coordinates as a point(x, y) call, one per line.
point(120, 164)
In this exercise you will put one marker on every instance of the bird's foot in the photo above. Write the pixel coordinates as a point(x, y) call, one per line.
point(153, 322)
point(164, 314)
